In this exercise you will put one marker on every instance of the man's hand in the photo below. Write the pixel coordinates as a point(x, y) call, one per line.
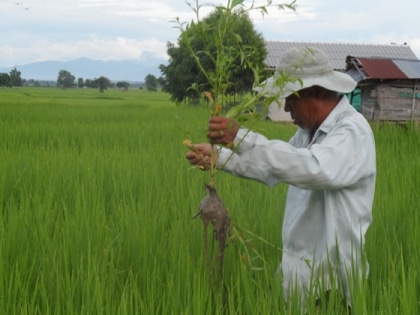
point(200, 155)
point(222, 130)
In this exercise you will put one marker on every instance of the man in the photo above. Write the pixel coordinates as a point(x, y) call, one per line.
point(329, 164)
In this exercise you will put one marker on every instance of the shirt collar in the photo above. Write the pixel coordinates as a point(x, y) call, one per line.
point(331, 119)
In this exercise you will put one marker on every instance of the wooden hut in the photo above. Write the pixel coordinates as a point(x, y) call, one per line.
point(337, 53)
point(390, 88)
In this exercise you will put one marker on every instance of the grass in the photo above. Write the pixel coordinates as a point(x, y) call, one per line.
point(96, 204)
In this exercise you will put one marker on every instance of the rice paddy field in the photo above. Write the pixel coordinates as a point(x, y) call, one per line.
point(96, 205)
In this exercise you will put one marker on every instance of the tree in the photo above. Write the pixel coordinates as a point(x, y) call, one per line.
point(92, 84)
point(80, 83)
point(5, 80)
point(65, 79)
point(123, 85)
point(150, 82)
point(15, 77)
point(200, 47)
point(180, 74)
point(103, 83)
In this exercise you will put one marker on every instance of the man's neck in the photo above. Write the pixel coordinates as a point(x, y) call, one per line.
point(327, 106)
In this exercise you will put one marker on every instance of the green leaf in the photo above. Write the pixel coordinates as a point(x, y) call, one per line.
point(233, 112)
point(236, 3)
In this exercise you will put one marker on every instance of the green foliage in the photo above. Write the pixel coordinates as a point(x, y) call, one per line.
point(93, 84)
point(151, 82)
point(223, 55)
point(15, 77)
point(96, 201)
point(180, 74)
point(123, 85)
point(219, 54)
point(5, 80)
point(103, 83)
point(80, 83)
point(65, 79)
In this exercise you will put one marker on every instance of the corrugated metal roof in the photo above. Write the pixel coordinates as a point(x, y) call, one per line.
point(338, 52)
point(361, 69)
point(410, 68)
point(381, 69)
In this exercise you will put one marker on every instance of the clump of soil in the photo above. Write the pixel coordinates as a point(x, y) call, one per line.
point(212, 210)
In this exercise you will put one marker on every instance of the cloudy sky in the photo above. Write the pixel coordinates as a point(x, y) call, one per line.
point(39, 30)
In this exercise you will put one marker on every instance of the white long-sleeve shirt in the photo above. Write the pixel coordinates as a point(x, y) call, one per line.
point(329, 202)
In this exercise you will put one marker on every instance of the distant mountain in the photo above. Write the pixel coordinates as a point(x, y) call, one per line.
point(129, 70)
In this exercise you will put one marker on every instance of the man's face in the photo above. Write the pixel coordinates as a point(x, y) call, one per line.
point(302, 110)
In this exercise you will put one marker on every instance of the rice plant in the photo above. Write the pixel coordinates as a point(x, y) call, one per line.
point(96, 203)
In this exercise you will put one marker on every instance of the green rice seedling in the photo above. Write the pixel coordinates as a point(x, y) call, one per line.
point(391, 248)
point(96, 201)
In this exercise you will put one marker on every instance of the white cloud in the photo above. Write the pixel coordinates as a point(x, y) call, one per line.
point(415, 46)
point(125, 29)
point(119, 48)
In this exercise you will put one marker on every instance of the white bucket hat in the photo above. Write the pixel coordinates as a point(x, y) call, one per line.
point(302, 68)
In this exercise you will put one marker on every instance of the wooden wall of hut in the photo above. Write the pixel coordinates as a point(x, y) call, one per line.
point(391, 101)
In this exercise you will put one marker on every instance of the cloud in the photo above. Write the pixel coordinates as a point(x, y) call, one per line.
point(324, 21)
point(126, 29)
point(120, 48)
point(415, 46)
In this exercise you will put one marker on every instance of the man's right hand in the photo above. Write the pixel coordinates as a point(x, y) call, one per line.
point(222, 130)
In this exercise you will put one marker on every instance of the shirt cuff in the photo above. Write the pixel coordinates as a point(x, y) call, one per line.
point(244, 140)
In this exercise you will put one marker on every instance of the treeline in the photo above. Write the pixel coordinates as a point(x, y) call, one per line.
point(66, 80)
point(13, 78)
